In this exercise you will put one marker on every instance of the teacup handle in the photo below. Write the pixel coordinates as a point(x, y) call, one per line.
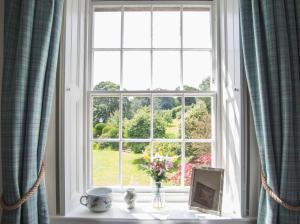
point(82, 202)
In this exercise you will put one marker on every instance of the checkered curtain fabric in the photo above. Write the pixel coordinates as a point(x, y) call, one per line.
point(31, 45)
point(270, 33)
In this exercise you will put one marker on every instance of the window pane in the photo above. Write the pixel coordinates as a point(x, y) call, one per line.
point(196, 154)
point(107, 30)
point(166, 29)
point(106, 70)
point(136, 75)
point(167, 117)
point(173, 151)
point(136, 117)
point(105, 163)
point(106, 117)
point(137, 30)
point(197, 70)
point(133, 164)
point(198, 117)
point(196, 29)
point(166, 70)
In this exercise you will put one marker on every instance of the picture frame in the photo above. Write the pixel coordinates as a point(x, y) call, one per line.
point(206, 190)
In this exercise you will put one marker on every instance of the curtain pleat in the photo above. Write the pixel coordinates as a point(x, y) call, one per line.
point(270, 41)
point(31, 44)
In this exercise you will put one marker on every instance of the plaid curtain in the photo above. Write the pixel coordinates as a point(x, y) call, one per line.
point(270, 33)
point(31, 45)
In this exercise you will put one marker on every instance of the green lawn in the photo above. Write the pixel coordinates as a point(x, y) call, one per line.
point(105, 168)
point(173, 129)
point(105, 165)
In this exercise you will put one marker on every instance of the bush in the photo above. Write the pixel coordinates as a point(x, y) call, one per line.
point(203, 161)
point(97, 130)
point(176, 112)
point(198, 121)
point(139, 127)
point(194, 150)
point(110, 132)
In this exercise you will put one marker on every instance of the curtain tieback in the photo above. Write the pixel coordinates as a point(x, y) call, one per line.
point(22, 200)
point(275, 197)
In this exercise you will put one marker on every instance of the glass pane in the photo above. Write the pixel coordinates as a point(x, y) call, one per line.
point(106, 117)
point(166, 70)
point(106, 70)
point(105, 163)
point(107, 29)
point(196, 29)
point(197, 70)
point(134, 163)
point(167, 117)
point(136, 75)
point(166, 29)
point(171, 152)
point(137, 30)
point(197, 155)
point(198, 117)
point(136, 117)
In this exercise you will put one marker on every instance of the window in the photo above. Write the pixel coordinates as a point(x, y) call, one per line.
point(153, 91)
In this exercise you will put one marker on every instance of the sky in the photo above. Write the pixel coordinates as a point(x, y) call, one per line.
point(166, 34)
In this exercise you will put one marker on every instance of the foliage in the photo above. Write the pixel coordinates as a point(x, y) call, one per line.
point(203, 161)
point(198, 121)
point(176, 112)
point(107, 85)
point(97, 130)
point(165, 103)
point(110, 132)
point(205, 84)
point(139, 127)
point(194, 150)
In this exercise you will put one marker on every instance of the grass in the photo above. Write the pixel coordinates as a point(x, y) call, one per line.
point(173, 128)
point(105, 168)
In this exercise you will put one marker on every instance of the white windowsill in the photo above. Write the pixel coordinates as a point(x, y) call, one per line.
point(144, 213)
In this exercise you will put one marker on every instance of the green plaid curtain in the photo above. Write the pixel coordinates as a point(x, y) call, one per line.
point(270, 32)
point(31, 45)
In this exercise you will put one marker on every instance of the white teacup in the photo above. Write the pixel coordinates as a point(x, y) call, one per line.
point(97, 199)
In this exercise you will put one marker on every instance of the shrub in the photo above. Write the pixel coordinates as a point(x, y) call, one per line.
point(110, 132)
point(198, 121)
point(203, 161)
point(97, 130)
point(139, 127)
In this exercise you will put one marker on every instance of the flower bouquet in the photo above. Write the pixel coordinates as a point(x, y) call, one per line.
point(158, 169)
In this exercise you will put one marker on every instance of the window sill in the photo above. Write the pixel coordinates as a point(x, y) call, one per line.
point(144, 213)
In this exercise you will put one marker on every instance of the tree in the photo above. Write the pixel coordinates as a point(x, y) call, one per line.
point(197, 125)
point(205, 84)
point(139, 127)
point(106, 85)
point(104, 107)
point(165, 103)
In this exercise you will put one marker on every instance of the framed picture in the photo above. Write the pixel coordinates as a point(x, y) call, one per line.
point(207, 190)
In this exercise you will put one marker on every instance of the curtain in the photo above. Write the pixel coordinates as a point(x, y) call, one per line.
point(31, 45)
point(270, 33)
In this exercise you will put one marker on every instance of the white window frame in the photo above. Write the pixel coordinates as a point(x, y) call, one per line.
point(181, 93)
point(231, 149)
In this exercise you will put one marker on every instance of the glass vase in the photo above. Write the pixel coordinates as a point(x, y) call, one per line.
point(158, 195)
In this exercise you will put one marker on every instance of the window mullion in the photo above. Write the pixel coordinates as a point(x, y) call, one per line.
point(151, 100)
point(183, 142)
point(121, 101)
point(182, 103)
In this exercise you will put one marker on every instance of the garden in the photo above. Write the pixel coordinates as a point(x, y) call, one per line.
point(136, 123)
